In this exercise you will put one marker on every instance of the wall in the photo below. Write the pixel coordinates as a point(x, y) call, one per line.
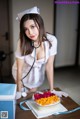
point(16, 6)
point(79, 50)
point(66, 33)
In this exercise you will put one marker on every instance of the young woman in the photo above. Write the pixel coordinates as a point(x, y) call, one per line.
point(35, 53)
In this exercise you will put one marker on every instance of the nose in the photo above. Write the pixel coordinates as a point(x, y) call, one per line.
point(30, 32)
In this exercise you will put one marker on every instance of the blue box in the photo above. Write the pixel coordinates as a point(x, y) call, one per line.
point(7, 101)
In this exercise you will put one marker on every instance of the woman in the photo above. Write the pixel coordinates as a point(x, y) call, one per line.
point(36, 48)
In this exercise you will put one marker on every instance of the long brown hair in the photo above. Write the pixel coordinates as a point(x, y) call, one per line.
point(26, 43)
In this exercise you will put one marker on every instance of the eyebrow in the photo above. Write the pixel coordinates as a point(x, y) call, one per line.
point(30, 25)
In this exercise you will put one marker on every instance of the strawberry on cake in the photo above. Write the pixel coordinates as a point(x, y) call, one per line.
point(45, 98)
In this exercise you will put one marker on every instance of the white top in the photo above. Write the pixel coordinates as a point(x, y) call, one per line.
point(36, 76)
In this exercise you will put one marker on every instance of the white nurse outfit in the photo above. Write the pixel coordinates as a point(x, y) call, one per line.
point(37, 75)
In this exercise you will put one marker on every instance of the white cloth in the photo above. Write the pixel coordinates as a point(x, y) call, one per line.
point(37, 74)
point(59, 93)
point(23, 93)
point(18, 95)
point(33, 10)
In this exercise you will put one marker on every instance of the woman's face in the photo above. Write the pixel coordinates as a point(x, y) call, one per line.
point(31, 30)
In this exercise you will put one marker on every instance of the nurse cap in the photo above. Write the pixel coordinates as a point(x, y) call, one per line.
point(33, 10)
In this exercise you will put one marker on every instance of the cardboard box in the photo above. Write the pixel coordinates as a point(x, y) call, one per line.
point(7, 101)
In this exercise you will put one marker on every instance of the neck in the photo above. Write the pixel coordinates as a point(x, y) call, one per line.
point(36, 44)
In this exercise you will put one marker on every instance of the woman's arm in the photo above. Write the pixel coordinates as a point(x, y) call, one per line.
point(50, 71)
point(20, 63)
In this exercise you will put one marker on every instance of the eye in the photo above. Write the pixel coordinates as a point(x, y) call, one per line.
point(25, 29)
point(32, 27)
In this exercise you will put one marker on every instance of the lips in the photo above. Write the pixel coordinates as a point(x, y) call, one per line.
point(32, 36)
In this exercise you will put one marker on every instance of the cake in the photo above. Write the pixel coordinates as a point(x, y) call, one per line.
point(45, 98)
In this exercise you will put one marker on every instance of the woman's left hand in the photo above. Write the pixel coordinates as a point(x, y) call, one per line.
point(59, 93)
